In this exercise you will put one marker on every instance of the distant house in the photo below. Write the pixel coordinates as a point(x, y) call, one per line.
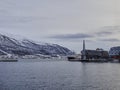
point(95, 54)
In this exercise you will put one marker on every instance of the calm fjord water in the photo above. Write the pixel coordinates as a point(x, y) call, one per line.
point(59, 75)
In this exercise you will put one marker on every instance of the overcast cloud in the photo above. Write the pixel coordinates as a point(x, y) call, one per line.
point(92, 20)
point(72, 36)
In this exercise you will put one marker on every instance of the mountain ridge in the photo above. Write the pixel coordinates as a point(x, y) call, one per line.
point(29, 47)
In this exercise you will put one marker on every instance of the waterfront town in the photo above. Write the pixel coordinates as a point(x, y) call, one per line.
point(98, 55)
point(86, 55)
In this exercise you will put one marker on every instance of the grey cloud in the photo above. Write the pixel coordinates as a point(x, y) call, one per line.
point(112, 29)
point(20, 21)
point(107, 31)
point(101, 32)
point(15, 19)
point(110, 40)
point(72, 36)
point(16, 13)
point(104, 33)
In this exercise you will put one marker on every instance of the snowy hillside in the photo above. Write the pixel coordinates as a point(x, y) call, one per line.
point(27, 47)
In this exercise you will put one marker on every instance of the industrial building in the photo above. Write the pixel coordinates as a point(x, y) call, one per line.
point(94, 54)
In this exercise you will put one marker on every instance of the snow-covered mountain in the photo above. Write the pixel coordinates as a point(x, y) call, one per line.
point(11, 45)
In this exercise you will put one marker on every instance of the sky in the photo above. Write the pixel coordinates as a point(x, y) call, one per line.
point(64, 22)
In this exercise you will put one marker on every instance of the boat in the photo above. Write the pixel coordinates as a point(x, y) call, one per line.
point(74, 58)
point(8, 59)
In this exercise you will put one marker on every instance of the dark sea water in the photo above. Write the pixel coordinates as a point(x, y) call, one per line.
point(59, 75)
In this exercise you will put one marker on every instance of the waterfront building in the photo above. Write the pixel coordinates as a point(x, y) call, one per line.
point(93, 54)
point(114, 52)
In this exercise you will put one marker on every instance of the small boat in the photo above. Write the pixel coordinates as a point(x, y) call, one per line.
point(8, 59)
point(73, 58)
